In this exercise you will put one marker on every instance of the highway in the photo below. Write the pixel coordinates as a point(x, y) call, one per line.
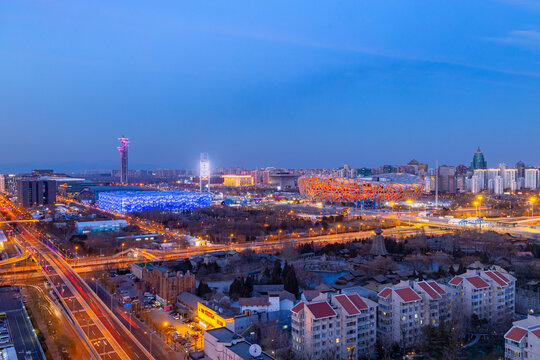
point(106, 335)
point(488, 224)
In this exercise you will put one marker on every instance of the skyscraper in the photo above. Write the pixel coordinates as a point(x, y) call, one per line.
point(123, 148)
point(478, 161)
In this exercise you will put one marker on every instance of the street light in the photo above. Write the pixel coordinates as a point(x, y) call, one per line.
point(76, 250)
point(476, 203)
point(479, 199)
point(122, 253)
point(532, 201)
point(410, 211)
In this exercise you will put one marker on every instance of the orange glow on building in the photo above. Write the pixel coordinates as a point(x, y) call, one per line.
point(211, 318)
point(237, 180)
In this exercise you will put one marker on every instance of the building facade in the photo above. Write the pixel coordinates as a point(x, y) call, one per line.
point(522, 341)
point(36, 192)
point(489, 295)
point(405, 308)
point(338, 327)
point(164, 282)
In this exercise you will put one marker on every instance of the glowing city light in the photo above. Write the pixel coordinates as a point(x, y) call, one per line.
point(137, 201)
point(387, 187)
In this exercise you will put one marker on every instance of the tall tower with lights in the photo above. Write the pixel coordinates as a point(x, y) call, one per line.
point(123, 148)
point(204, 172)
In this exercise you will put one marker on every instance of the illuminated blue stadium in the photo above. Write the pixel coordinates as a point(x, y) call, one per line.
point(138, 201)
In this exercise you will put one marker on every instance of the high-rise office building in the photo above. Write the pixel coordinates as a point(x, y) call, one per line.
point(123, 148)
point(520, 167)
point(36, 192)
point(478, 161)
point(447, 179)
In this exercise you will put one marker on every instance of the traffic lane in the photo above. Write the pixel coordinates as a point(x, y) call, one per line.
point(22, 334)
point(159, 349)
point(117, 331)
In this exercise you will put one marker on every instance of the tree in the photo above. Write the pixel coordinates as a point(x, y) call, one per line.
point(237, 288)
point(203, 289)
point(290, 282)
point(276, 272)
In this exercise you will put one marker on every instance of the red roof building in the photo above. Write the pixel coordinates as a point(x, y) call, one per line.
point(321, 310)
point(408, 294)
point(515, 334)
point(429, 290)
point(477, 282)
point(358, 302)
point(347, 304)
point(456, 281)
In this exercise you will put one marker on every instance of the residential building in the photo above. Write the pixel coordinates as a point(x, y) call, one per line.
point(489, 295)
point(405, 308)
point(531, 179)
point(475, 184)
point(164, 281)
point(339, 327)
point(509, 176)
point(522, 341)
point(498, 186)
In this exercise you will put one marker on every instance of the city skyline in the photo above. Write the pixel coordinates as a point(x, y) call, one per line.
point(255, 86)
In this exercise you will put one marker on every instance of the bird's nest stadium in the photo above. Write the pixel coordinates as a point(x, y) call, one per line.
point(380, 188)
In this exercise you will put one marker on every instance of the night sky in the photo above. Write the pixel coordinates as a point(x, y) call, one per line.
point(268, 83)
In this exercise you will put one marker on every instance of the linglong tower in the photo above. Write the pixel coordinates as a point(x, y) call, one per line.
point(123, 148)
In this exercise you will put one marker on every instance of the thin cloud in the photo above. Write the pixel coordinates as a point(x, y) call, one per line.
point(525, 38)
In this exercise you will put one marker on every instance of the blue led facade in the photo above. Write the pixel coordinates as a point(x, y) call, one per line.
point(138, 201)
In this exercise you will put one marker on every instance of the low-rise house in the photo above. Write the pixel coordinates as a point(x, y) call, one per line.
point(224, 344)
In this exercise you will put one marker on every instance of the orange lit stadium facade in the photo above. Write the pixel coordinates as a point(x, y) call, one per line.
point(386, 187)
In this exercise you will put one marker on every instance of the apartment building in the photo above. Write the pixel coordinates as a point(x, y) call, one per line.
point(340, 327)
point(164, 280)
point(488, 294)
point(522, 341)
point(405, 308)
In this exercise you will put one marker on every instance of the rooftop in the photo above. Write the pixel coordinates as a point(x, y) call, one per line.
point(321, 310)
point(408, 294)
point(477, 282)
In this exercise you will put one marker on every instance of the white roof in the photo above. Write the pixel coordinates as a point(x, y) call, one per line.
point(104, 223)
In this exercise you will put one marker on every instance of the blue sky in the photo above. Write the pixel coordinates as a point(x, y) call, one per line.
point(268, 83)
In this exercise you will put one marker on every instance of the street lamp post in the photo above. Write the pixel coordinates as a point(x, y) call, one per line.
point(479, 199)
point(410, 211)
point(476, 206)
point(532, 201)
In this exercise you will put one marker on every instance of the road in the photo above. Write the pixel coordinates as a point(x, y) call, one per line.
point(493, 225)
point(156, 345)
point(107, 336)
point(21, 331)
